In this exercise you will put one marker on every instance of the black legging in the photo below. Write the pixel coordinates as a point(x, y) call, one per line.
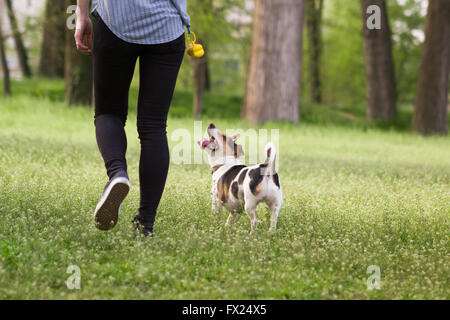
point(114, 64)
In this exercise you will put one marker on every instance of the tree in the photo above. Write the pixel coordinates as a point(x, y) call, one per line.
point(314, 10)
point(203, 16)
point(53, 41)
point(200, 69)
point(380, 74)
point(407, 47)
point(77, 71)
point(430, 115)
point(5, 68)
point(20, 47)
point(273, 78)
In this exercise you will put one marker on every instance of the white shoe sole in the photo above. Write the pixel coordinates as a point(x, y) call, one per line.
point(106, 213)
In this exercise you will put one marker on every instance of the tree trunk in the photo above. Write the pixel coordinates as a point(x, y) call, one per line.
point(20, 48)
point(314, 32)
point(200, 66)
point(5, 68)
point(53, 43)
point(77, 71)
point(380, 74)
point(273, 79)
point(430, 116)
point(207, 77)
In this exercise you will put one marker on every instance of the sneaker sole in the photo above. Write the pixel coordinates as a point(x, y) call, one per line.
point(106, 213)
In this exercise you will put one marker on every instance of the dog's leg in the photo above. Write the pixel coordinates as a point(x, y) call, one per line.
point(231, 219)
point(216, 206)
point(274, 210)
point(251, 211)
point(252, 216)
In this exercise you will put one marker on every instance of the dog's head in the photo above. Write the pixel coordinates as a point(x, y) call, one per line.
point(219, 145)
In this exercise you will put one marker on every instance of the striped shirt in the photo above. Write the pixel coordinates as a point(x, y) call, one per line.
point(144, 21)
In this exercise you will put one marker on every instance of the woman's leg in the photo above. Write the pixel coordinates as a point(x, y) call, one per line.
point(114, 63)
point(159, 66)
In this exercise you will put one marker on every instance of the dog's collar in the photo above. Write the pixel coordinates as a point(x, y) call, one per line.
point(226, 161)
point(215, 168)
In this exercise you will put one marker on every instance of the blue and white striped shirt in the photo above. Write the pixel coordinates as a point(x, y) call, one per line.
point(144, 21)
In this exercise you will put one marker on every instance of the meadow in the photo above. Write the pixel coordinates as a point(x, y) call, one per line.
point(356, 194)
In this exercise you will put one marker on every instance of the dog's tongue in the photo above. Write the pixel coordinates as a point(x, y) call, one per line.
point(204, 143)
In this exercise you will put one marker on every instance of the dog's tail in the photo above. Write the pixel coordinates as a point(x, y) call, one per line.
point(271, 155)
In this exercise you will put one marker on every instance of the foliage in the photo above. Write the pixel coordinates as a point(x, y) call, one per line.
point(226, 43)
point(407, 21)
point(343, 65)
point(343, 57)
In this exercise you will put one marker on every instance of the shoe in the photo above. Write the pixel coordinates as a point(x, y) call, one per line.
point(106, 213)
point(139, 227)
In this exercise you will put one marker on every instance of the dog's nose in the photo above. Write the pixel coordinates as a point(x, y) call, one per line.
point(211, 126)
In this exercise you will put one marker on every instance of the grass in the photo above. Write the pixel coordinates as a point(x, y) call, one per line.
point(355, 194)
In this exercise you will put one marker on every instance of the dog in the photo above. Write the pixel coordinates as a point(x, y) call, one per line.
point(236, 186)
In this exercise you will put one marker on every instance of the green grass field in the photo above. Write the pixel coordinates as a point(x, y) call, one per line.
point(356, 194)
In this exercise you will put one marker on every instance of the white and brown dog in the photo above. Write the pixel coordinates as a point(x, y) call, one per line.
point(236, 186)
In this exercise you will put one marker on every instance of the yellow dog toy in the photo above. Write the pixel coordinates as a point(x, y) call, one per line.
point(194, 49)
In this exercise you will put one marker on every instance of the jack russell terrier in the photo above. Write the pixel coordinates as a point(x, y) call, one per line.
point(234, 183)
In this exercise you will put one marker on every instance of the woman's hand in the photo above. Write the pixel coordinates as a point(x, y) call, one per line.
point(83, 34)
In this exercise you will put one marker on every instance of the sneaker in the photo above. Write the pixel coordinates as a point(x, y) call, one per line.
point(107, 211)
point(139, 227)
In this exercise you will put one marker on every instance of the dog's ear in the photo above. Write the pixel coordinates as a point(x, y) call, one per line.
point(238, 151)
point(235, 137)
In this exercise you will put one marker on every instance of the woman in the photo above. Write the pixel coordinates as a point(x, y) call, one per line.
point(124, 31)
